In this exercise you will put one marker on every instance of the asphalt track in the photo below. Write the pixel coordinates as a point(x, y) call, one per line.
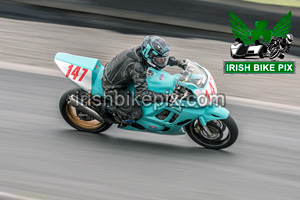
point(43, 158)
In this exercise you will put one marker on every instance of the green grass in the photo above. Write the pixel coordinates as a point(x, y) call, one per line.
point(290, 3)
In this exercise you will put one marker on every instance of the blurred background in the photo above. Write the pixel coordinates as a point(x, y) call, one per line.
point(42, 157)
point(34, 31)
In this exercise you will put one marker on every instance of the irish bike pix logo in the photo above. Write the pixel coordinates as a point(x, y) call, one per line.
point(263, 48)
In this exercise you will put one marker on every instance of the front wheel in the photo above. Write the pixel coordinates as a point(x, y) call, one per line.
point(223, 133)
point(77, 119)
point(274, 53)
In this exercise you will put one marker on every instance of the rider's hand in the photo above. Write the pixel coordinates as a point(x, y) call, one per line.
point(182, 64)
point(172, 98)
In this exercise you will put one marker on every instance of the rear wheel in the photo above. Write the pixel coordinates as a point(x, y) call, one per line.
point(223, 133)
point(77, 119)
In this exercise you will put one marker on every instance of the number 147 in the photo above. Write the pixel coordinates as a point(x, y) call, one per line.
point(75, 72)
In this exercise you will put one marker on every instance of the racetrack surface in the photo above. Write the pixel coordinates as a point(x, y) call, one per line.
point(44, 158)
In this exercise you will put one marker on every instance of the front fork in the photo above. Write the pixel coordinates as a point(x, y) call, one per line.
point(213, 112)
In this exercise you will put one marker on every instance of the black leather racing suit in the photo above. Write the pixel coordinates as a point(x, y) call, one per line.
point(125, 68)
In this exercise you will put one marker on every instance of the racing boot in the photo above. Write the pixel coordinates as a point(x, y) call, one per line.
point(107, 112)
point(128, 120)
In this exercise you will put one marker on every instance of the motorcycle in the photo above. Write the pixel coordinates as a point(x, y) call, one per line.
point(276, 49)
point(208, 124)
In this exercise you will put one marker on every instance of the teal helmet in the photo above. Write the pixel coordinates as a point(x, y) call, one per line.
point(155, 51)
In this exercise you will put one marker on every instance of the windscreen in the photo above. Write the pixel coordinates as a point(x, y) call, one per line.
point(194, 74)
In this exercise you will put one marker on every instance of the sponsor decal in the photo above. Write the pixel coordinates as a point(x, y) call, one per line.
point(151, 126)
point(161, 77)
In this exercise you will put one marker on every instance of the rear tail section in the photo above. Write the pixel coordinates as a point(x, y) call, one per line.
point(83, 71)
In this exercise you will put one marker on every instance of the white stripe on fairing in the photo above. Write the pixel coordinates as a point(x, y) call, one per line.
point(282, 108)
point(8, 196)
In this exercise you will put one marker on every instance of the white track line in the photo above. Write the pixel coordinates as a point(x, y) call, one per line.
point(263, 105)
point(229, 99)
point(31, 69)
point(7, 196)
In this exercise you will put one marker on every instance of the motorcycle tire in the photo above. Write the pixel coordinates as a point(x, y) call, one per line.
point(70, 115)
point(274, 53)
point(225, 135)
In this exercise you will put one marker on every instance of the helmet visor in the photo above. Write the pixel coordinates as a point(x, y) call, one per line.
point(160, 61)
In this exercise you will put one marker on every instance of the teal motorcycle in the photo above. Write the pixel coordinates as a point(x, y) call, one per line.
point(196, 112)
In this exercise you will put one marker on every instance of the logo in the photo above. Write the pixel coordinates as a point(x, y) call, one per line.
point(261, 42)
point(161, 77)
point(154, 127)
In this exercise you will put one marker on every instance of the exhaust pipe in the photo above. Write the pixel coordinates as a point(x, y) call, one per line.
point(78, 104)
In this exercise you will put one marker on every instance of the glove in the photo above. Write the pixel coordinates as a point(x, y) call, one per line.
point(182, 64)
point(172, 98)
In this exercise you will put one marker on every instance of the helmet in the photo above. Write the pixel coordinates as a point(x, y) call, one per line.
point(289, 38)
point(155, 51)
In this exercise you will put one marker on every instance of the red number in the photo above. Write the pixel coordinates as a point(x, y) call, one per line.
point(207, 95)
point(75, 72)
point(83, 74)
point(212, 89)
point(69, 71)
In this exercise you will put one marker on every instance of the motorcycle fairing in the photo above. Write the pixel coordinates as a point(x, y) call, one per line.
point(171, 125)
point(213, 112)
point(161, 81)
point(151, 123)
point(91, 82)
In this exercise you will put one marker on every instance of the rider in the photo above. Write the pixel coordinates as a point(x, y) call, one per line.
point(130, 66)
point(285, 43)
